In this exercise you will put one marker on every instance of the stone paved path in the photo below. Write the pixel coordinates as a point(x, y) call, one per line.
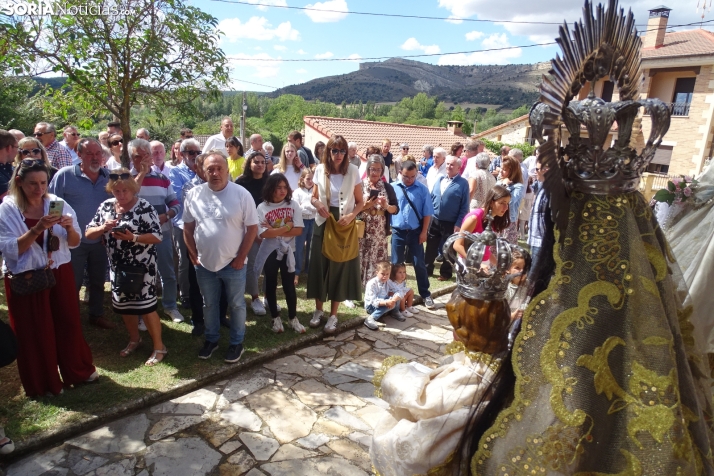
point(307, 413)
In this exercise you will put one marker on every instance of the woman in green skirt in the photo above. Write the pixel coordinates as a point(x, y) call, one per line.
point(338, 192)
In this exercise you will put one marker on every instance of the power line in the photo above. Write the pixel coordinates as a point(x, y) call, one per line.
point(256, 84)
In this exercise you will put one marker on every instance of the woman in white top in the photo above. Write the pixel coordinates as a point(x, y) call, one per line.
point(303, 195)
point(290, 165)
point(338, 192)
point(46, 322)
point(116, 144)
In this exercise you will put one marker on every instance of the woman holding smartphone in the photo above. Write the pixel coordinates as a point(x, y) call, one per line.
point(46, 322)
point(131, 230)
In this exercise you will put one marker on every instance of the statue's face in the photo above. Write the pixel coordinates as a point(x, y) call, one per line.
point(481, 325)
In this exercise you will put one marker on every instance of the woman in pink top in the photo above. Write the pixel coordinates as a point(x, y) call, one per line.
point(496, 203)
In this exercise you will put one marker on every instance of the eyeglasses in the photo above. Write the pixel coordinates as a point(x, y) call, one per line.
point(373, 170)
point(40, 134)
point(26, 152)
point(123, 176)
point(338, 151)
point(33, 162)
point(73, 134)
point(116, 142)
point(192, 153)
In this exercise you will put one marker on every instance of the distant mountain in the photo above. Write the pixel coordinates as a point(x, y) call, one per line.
point(391, 80)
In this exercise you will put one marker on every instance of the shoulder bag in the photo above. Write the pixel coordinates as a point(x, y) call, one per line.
point(404, 189)
point(36, 280)
point(129, 279)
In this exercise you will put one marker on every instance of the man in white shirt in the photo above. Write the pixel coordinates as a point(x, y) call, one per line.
point(220, 226)
point(438, 169)
point(70, 141)
point(143, 134)
point(471, 149)
point(218, 141)
point(530, 164)
point(158, 157)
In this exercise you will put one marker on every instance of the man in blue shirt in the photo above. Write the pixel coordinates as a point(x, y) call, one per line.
point(410, 225)
point(83, 186)
point(427, 160)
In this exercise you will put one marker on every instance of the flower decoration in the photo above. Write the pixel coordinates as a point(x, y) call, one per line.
point(679, 189)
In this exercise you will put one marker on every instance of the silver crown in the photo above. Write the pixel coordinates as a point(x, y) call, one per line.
point(604, 45)
point(471, 280)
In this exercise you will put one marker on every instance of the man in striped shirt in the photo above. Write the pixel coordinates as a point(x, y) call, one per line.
point(58, 154)
point(157, 190)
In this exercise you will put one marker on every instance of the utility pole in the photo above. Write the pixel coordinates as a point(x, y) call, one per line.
point(242, 122)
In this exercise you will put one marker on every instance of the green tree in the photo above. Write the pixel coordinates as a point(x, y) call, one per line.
point(160, 54)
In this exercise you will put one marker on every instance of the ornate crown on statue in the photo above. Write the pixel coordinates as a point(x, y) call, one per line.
point(487, 283)
point(605, 44)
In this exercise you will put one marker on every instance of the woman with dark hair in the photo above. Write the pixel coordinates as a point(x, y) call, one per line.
point(338, 192)
point(496, 205)
point(52, 352)
point(457, 148)
point(235, 157)
point(280, 221)
point(253, 179)
point(511, 177)
point(176, 158)
point(319, 150)
point(116, 144)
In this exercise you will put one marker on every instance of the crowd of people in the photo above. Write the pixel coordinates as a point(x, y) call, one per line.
point(226, 216)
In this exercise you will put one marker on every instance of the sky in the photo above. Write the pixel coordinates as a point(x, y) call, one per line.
point(253, 31)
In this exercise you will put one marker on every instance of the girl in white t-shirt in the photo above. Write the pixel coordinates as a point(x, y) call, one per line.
point(279, 222)
point(303, 195)
point(398, 285)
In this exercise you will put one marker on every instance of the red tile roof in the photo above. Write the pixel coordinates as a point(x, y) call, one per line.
point(682, 43)
point(366, 133)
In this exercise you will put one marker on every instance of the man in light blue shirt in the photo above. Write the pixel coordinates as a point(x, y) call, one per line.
point(411, 224)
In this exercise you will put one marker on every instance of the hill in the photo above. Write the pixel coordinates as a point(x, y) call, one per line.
point(396, 78)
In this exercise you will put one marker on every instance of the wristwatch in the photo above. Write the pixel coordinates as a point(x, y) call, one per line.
point(134, 238)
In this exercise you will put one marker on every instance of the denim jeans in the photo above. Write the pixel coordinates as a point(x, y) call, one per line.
point(183, 260)
point(94, 255)
point(165, 263)
point(302, 247)
point(378, 312)
point(410, 238)
point(251, 285)
point(210, 284)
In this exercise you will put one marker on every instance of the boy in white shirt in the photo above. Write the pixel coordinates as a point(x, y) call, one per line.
point(376, 297)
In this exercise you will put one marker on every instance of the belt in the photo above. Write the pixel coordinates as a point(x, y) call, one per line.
point(374, 212)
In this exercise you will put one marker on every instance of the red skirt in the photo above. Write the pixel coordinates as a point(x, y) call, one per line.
point(49, 335)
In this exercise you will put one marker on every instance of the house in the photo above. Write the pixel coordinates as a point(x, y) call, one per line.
point(515, 131)
point(366, 133)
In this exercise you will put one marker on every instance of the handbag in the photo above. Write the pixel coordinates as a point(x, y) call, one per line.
point(36, 280)
point(129, 279)
point(339, 243)
point(8, 345)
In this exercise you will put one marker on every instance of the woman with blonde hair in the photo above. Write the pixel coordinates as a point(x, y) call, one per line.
point(130, 229)
point(31, 148)
point(116, 144)
point(511, 178)
point(290, 165)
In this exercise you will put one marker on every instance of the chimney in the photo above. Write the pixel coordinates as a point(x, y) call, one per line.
point(656, 27)
point(454, 127)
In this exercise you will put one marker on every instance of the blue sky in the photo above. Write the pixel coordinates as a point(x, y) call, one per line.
point(254, 32)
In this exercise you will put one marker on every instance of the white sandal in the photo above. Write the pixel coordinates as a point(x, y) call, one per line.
point(154, 359)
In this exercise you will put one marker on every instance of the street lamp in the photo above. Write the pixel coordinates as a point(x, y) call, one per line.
point(242, 121)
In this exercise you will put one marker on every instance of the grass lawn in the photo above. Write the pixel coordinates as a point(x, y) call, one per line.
point(126, 379)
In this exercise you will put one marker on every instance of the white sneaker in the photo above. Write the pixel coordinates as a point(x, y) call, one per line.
point(174, 314)
point(429, 302)
point(349, 304)
point(85, 296)
point(142, 326)
point(297, 327)
point(406, 313)
point(316, 318)
point(277, 325)
point(413, 310)
point(331, 326)
point(265, 304)
point(258, 308)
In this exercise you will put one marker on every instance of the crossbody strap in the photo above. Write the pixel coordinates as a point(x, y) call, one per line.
point(404, 189)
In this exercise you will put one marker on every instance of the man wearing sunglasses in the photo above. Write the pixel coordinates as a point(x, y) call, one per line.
point(83, 187)
point(57, 154)
point(70, 141)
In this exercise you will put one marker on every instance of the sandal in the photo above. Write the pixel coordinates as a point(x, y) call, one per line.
point(129, 349)
point(154, 359)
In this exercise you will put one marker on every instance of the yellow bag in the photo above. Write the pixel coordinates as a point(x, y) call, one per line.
point(339, 243)
point(360, 228)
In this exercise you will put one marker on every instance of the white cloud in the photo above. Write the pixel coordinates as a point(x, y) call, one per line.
point(280, 47)
point(301, 71)
point(474, 35)
point(321, 15)
point(263, 69)
point(325, 55)
point(266, 3)
point(496, 40)
point(256, 28)
point(258, 48)
point(301, 52)
point(412, 45)
point(355, 57)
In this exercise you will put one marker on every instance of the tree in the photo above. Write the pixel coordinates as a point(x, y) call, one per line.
point(157, 53)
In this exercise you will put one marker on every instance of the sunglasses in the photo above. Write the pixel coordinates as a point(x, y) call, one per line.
point(26, 152)
point(405, 148)
point(40, 134)
point(193, 153)
point(123, 176)
point(74, 134)
point(116, 142)
point(338, 151)
point(33, 162)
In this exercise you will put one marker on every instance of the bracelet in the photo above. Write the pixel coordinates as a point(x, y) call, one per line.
point(135, 238)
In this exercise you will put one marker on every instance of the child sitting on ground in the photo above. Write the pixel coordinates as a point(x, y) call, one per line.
point(398, 285)
point(517, 293)
point(377, 302)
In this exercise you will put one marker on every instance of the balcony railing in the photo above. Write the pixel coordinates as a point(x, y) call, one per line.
point(679, 108)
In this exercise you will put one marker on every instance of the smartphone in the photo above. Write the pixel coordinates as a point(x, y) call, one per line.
point(119, 229)
point(373, 194)
point(56, 207)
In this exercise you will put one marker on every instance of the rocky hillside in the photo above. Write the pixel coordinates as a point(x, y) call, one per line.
point(393, 79)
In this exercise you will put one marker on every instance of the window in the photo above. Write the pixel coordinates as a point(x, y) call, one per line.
point(607, 88)
point(683, 93)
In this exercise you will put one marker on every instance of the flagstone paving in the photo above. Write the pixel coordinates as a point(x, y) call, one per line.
point(308, 413)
